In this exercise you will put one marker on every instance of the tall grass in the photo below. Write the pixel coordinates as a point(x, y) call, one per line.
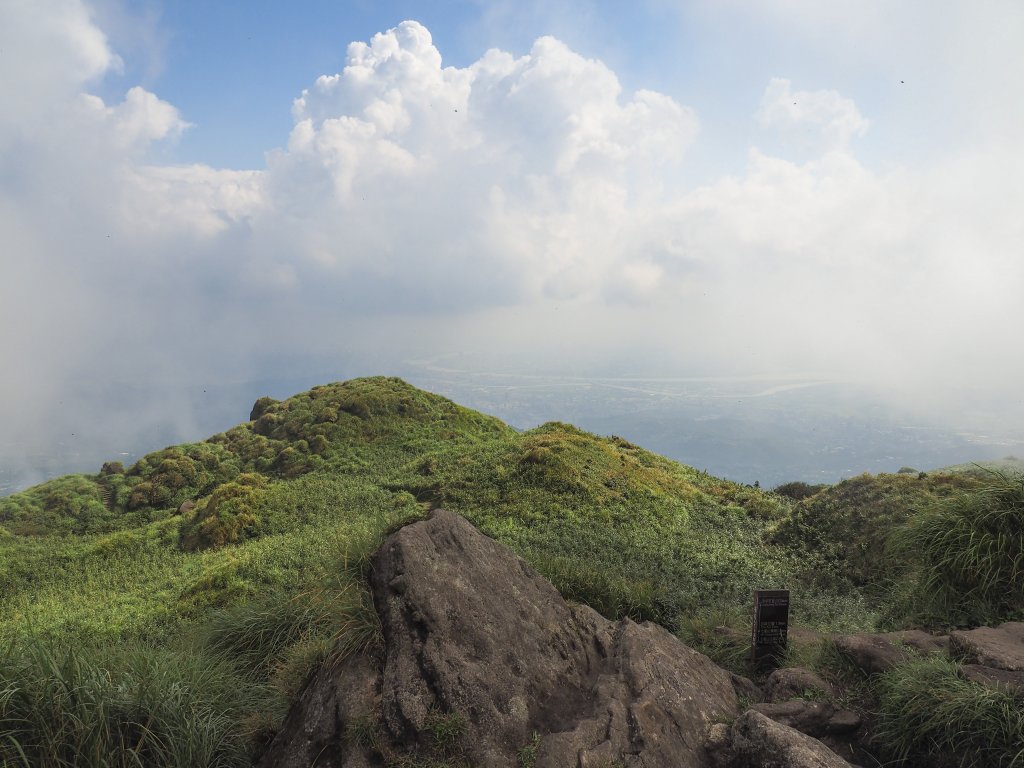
point(134, 706)
point(967, 554)
point(929, 714)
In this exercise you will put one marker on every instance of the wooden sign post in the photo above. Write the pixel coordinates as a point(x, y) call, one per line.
point(771, 627)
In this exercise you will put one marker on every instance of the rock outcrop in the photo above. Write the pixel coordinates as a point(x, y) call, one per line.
point(815, 718)
point(485, 664)
point(322, 727)
point(482, 634)
point(991, 656)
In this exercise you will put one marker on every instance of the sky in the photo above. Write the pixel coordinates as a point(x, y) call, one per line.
point(194, 193)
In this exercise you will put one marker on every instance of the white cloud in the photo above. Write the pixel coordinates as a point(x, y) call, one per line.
point(835, 117)
point(512, 174)
point(137, 121)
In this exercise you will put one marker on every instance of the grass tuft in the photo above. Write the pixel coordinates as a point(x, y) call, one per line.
point(966, 555)
point(929, 714)
point(133, 706)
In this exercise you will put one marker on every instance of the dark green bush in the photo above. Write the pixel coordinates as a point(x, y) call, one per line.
point(798, 490)
point(227, 516)
point(843, 529)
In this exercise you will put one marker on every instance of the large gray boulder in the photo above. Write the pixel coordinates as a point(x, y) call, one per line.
point(470, 628)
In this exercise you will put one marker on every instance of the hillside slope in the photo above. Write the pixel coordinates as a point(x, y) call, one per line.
point(201, 585)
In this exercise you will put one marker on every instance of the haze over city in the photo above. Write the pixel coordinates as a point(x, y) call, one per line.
point(772, 214)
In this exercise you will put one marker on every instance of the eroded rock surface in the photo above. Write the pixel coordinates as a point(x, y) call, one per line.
point(1000, 679)
point(815, 718)
point(760, 742)
point(871, 653)
point(470, 628)
point(999, 647)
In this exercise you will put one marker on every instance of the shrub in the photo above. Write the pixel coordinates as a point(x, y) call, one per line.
point(845, 526)
point(261, 406)
point(227, 516)
point(112, 468)
point(798, 490)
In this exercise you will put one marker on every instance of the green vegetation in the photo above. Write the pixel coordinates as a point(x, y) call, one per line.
point(931, 715)
point(965, 555)
point(841, 532)
point(128, 706)
point(137, 599)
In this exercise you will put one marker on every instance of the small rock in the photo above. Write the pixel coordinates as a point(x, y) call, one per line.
point(844, 721)
point(761, 742)
point(810, 717)
point(1000, 679)
point(719, 745)
point(871, 654)
point(746, 688)
point(1000, 647)
point(920, 641)
point(795, 682)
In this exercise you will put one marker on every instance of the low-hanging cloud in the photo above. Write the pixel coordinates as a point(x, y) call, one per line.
point(524, 202)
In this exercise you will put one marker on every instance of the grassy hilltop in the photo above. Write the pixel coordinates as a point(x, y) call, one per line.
point(165, 613)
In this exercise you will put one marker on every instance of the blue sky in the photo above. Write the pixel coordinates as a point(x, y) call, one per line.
point(232, 68)
point(198, 192)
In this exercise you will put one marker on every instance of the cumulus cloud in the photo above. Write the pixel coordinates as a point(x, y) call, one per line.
point(522, 202)
point(499, 182)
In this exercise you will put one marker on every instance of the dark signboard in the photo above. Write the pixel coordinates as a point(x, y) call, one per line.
point(771, 625)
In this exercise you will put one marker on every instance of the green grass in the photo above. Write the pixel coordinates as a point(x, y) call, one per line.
point(1006, 465)
point(965, 555)
point(141, 583)
point(929, 714)
point(128, 706)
